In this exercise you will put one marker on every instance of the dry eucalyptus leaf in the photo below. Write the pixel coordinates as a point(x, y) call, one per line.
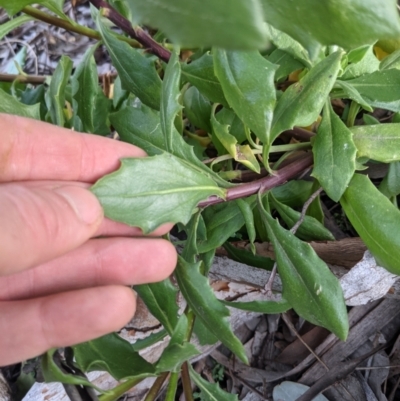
point(366, 282)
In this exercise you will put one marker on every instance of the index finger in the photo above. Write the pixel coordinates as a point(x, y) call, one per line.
point(34, 150)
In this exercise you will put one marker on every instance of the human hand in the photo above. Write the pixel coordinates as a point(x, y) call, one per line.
point(59, 284)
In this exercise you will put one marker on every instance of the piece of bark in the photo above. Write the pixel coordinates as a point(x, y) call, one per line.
point(345, 252)
point(382, 314)
point(295, 352)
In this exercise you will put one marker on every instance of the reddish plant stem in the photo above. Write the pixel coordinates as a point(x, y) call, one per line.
point(264, 184)
point(300, 133)
point(186, 383)
point(136, 33)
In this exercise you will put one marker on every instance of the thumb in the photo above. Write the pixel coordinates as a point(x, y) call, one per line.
point(41, 223)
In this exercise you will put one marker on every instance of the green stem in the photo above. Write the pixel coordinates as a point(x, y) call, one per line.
point(353, 111)
point(250, 139)
point(191, 318)
point(288, 148)
point(120, 390)
point(155, 388)
point(274, 149)
point(186, 383)
point(80, 29)
point(172, 386)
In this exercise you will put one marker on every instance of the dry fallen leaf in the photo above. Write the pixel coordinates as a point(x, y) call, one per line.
point(366, 282)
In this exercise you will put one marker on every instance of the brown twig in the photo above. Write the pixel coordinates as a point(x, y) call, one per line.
point(80, 29)
point(264, 184)
point(186, 383)
point(26, 79)
point(156, 387)
point(304, 210)
point(61, 23)
point(136, 33)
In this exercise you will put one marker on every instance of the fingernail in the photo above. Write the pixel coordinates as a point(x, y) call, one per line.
point(83, 202)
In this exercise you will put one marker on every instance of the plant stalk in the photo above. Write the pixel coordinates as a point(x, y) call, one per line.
point(120, 390)
point(155, 388)
point(186, 383)
point(264, 184)
point(80, 29)
point(172, 386)
point(353, 111)
point(136, 33)
point(26, 79)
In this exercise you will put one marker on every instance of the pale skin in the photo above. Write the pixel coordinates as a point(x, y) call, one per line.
point(59, 283)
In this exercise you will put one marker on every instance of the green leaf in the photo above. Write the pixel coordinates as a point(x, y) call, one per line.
point(113, 354)
point(247, 80)
point(379, 142)
point(247, 212)
point(150, 340)
point(7, 27)
point(302, 102)
point(197, 108)
point(34, 95)
point(137, 72)
point(210, 391)
point(56, 93)
point(221, 225)
point(170, 94)
point(343, 89)
point(309, 230)
point(391, 61)
point(120, 95)
point(178, 350)
point(160, 298)
point(390, 185)
point(375, 219)
point(91, 105)
point(241, 153)
point(151, 191)
point(10, 105)
point(380, 89)
point(367, 65)
point(269, 307)
point(347, 23)
point(228, 117)
point(200, 73)
point(202, 333)
point(315, 208)
point(334, 154)
point(248, 258)
point(212, 313)
point(370, 120)
point(308, 284)
point(294, 193)
point(287, 63)
point(52, 373)
point(15, 6)
point(141, 127)
point(190, 23)
point(286, 43)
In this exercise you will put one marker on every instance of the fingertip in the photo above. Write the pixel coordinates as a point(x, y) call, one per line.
point(162, 230)
point(97, 312)
point(84, 203)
